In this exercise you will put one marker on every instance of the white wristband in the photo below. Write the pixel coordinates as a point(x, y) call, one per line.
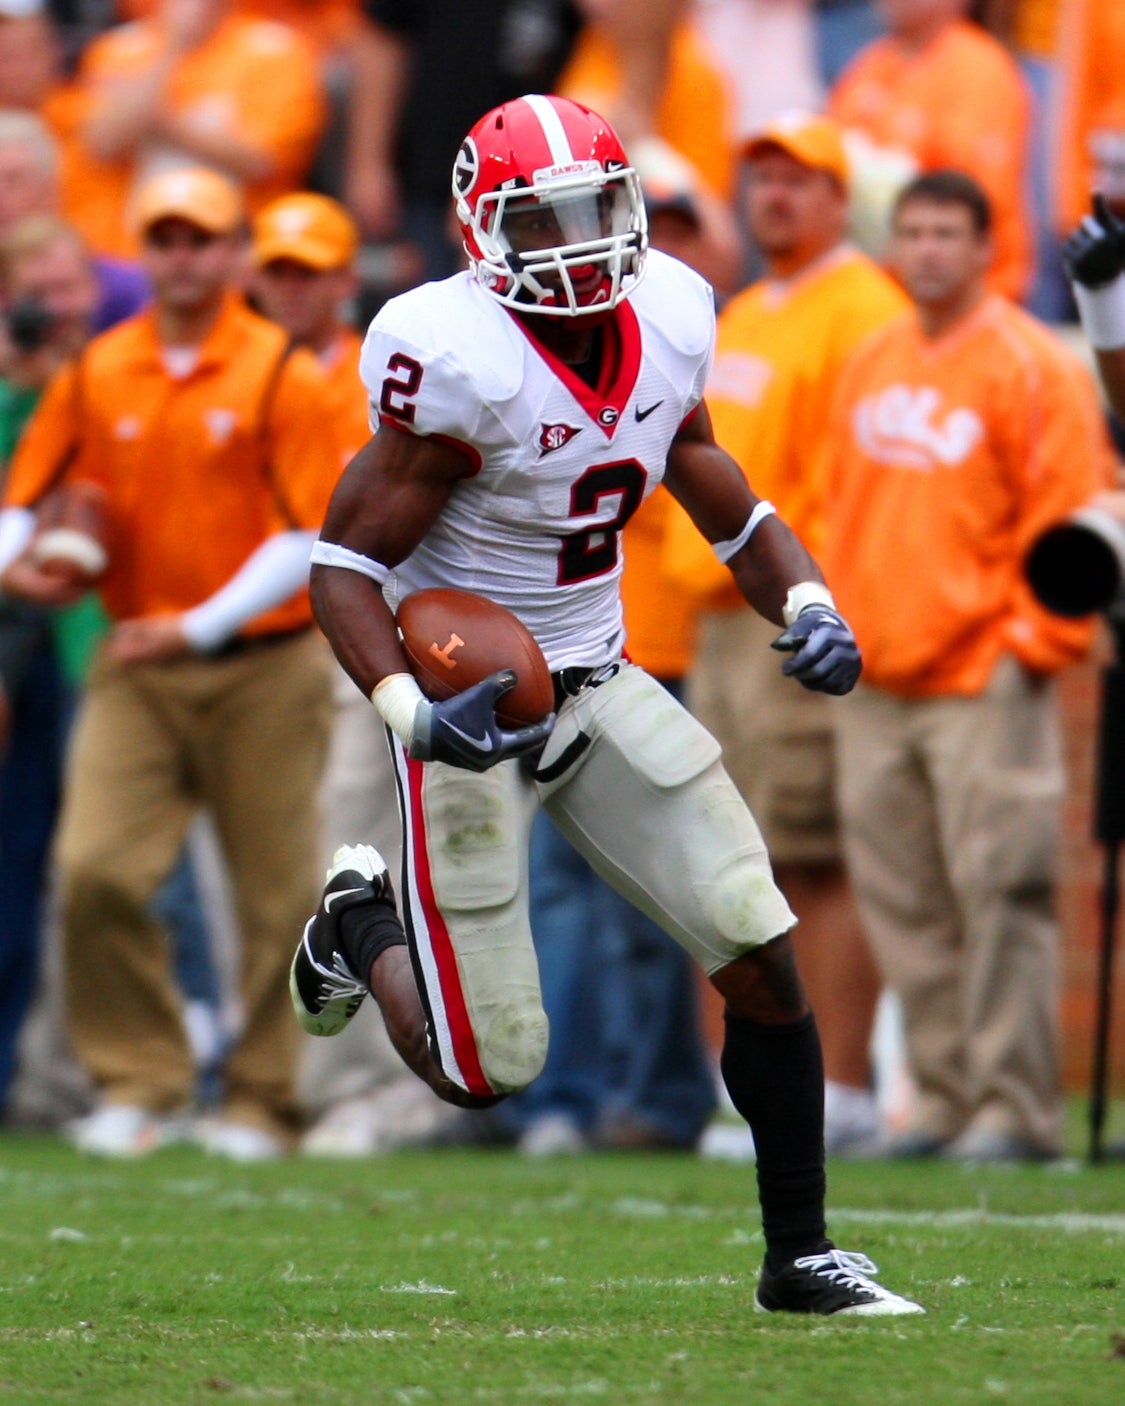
point(1102, 311)
point(804, 594)
point(396, 700)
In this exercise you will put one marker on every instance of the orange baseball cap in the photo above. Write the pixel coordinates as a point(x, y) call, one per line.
point(310, 229)
point(196, 194)
point(809, 138)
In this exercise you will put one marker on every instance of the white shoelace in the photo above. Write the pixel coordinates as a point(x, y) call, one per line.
point(336, 981)
point(844, 1267)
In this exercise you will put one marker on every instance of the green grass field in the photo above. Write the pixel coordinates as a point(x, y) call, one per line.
point(479, 1277)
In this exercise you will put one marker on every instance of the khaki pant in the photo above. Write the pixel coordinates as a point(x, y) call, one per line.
point(776, 736)
point(244, 736)
point(951, 818)
point(360, 806)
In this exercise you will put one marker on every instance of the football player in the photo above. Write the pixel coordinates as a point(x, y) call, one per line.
point(1094, 258)
point(525, 408)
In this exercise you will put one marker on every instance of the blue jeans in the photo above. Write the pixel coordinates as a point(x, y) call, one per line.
point(30, 780)
point(843, 27)
point(625, 1039)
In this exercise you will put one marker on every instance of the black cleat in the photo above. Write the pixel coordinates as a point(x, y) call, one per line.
point(326, 992)
point(835, 1281)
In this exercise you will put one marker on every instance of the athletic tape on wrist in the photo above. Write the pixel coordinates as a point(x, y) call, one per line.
point(804, 594)
point(396, 700)
point(725, 550)
point(332, 554)
point(1102, 311)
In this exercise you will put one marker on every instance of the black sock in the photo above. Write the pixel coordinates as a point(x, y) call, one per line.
point(775, 1077)
point(367, 930)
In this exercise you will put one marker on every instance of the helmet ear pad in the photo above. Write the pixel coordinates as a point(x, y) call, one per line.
point(549, 153)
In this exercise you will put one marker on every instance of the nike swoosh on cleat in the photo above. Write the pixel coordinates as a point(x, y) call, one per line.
point(330, 898)
point(644, 414)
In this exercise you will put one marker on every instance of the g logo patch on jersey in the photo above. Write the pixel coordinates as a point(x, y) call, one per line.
point(555, 437)
point(608, 415)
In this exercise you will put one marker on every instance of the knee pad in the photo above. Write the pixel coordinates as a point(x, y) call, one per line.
point(513, 1045)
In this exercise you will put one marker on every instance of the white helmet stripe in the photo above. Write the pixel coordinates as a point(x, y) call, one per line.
point(553, 129)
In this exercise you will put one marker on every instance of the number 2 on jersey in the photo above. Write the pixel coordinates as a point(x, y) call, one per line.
point(593, 550)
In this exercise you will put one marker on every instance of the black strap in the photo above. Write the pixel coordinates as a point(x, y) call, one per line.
point(265, 406)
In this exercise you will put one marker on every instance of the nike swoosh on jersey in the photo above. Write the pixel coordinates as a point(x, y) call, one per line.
point(330, 898)
point(644, 414)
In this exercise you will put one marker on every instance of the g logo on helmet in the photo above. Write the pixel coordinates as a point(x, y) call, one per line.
point(466, 168)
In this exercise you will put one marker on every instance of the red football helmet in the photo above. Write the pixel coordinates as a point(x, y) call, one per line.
point(551, 211)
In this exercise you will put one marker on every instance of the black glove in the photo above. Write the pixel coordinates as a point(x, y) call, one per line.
point(826, 657)
point(463, 731)
point(1095, 253)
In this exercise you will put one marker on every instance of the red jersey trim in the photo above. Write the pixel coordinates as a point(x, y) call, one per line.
point(470, 451)
point(621, 366)
point(441, 945)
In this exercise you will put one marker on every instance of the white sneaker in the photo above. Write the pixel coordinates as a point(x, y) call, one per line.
point(851, 1120)
point(727, 1142)
point(553, 1135)
point(239, 1142)
point(351, 1128)
point(122, 1130)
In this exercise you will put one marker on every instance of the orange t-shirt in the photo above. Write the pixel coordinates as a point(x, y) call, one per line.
point(660, 619)
point(695, 114)
point(779, 349)
point(257, 80)
point(960, 101)
point(347, 396)
point(1090, 125)
point(327, 24)
point(949, 457)
point(198, 470)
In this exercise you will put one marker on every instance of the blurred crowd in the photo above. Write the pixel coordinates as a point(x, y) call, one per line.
point(774, 140)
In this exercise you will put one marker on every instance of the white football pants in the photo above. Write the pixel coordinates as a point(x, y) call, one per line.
point(637, 785)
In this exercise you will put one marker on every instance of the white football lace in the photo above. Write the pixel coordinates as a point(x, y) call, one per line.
point(844, 1268)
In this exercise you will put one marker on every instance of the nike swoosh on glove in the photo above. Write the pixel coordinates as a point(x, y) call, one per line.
point(1095, 253)
point(463, 731)
point(826, 657)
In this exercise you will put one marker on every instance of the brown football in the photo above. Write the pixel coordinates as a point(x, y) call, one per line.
point(453, 639)
point(70, 532)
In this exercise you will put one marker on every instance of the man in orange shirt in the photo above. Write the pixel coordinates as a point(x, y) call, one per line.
point(206, 435)
point(961, 431)
point(780, 347)
point(946, 93)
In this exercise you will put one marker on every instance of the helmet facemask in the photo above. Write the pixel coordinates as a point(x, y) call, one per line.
point(570, 243)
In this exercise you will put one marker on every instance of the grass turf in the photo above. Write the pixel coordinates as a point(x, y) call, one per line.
point(463, 1277)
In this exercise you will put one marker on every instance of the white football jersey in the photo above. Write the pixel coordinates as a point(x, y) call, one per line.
point(561, 466)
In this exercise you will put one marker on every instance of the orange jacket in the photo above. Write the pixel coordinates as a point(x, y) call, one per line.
point(198, 471)
point(949, 457)
point(961, 101)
